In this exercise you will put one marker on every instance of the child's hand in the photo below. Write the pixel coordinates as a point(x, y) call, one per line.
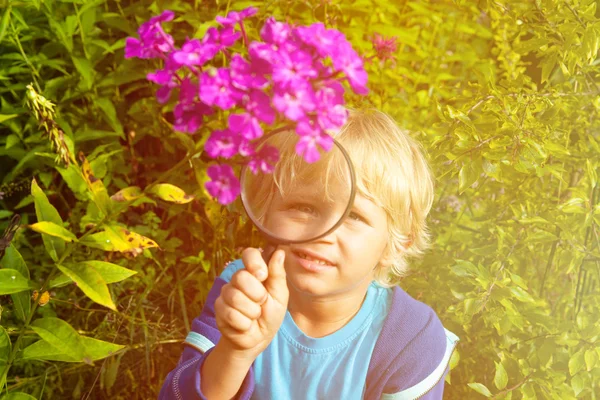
point(251, 308)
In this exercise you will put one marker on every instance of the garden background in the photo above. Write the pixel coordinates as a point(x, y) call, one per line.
point(504, 95)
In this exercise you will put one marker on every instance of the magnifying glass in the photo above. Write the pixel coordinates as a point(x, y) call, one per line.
point(300, 201)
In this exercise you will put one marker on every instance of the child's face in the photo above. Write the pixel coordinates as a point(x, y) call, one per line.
point(354, 249)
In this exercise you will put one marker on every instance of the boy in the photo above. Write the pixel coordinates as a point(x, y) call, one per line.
point(344, 330)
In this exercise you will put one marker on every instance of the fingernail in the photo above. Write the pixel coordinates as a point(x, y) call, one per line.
point(281, 256)
point(261, 274)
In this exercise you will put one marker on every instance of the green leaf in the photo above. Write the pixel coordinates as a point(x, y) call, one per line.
point(518, 280)
point(187, 141)
point(90, 282)
point(99, 349)
point(5, 349)
point(5, 214)
point(480, 388)
point(501, 377)
point(521, 294)
point(94, 134)
point(46, 212)
point(467, 176)
point(52, 229)
point(548, 66)
point(60, 335)
point(542, 236)
point(591, 358)
point(11, 281)
point(111, 273)
point(74, 179)
point(127, 194)
point(5, 346)
point(22, 303)
point(86, 70)
point(6, 117)
point(4, 24)
point(464, 268)
point(12, 259)
point(110, 115)
point(591, 171)
point(576, 362)
point(95, 348)
point(97, 190)
point(60, 281)
point(109, 374)
point(61, 31)
point(116, 238)
point(18, 396)
point(577, 384)
point(171, 193)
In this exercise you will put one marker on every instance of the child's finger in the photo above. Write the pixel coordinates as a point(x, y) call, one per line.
point(276, 283)
point(249, 285)
point(254, 263)
point(238, 300)
point(236, 319)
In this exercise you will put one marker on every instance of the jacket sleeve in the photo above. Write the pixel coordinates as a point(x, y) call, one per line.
point(184, 382)
point(432, 386)
point(437, 392)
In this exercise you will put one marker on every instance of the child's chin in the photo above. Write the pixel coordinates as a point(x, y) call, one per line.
point(314, 285)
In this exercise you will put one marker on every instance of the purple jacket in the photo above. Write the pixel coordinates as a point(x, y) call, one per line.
point(410, 359)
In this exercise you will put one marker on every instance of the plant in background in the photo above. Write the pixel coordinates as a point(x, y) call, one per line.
point(43, 111)
point(292, 77)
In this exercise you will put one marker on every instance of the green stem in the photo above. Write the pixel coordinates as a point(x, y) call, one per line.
point(165, 174)
point(186, 321)
point(34, 71)
point(81, 32)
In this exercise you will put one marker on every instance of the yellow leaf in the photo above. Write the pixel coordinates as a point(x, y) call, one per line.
point(171, 193)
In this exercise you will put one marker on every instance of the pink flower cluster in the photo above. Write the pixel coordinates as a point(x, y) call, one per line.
point(293, 75)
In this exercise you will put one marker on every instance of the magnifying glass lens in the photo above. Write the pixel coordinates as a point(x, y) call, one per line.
point(299, 201)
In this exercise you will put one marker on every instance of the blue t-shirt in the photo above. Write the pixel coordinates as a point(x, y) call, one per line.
point(297, 366)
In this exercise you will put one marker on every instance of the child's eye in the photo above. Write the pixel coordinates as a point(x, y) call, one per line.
point(356, 217)
point(303, 208)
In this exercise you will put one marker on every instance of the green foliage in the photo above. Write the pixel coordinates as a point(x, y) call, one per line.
point(504, 95)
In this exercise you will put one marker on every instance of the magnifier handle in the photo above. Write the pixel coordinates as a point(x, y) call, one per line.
point(268, 252)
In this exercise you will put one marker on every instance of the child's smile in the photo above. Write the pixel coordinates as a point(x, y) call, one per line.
point(310, 263)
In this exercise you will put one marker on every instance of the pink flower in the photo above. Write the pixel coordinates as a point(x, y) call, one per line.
point(311, 136)
point(274, 31)
point(194, 52)
point(264, 160)
point(234, 17)
point(153, 39)
point(222, 143)
point(224, 185)
point(294, 104)
point(222, 38)
point(293, 69)
point(217, 90)
point(322, 40)
point(245, 75)
point(345, 59)
point(385, 47)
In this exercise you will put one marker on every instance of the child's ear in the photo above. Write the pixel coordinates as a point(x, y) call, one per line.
point(386, 258)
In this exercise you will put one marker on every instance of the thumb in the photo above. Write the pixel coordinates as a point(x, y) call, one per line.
point(276, 282)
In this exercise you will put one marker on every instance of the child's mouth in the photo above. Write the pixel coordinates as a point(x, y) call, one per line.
point(312, 264)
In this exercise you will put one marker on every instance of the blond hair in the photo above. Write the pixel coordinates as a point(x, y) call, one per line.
point(391, 170)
